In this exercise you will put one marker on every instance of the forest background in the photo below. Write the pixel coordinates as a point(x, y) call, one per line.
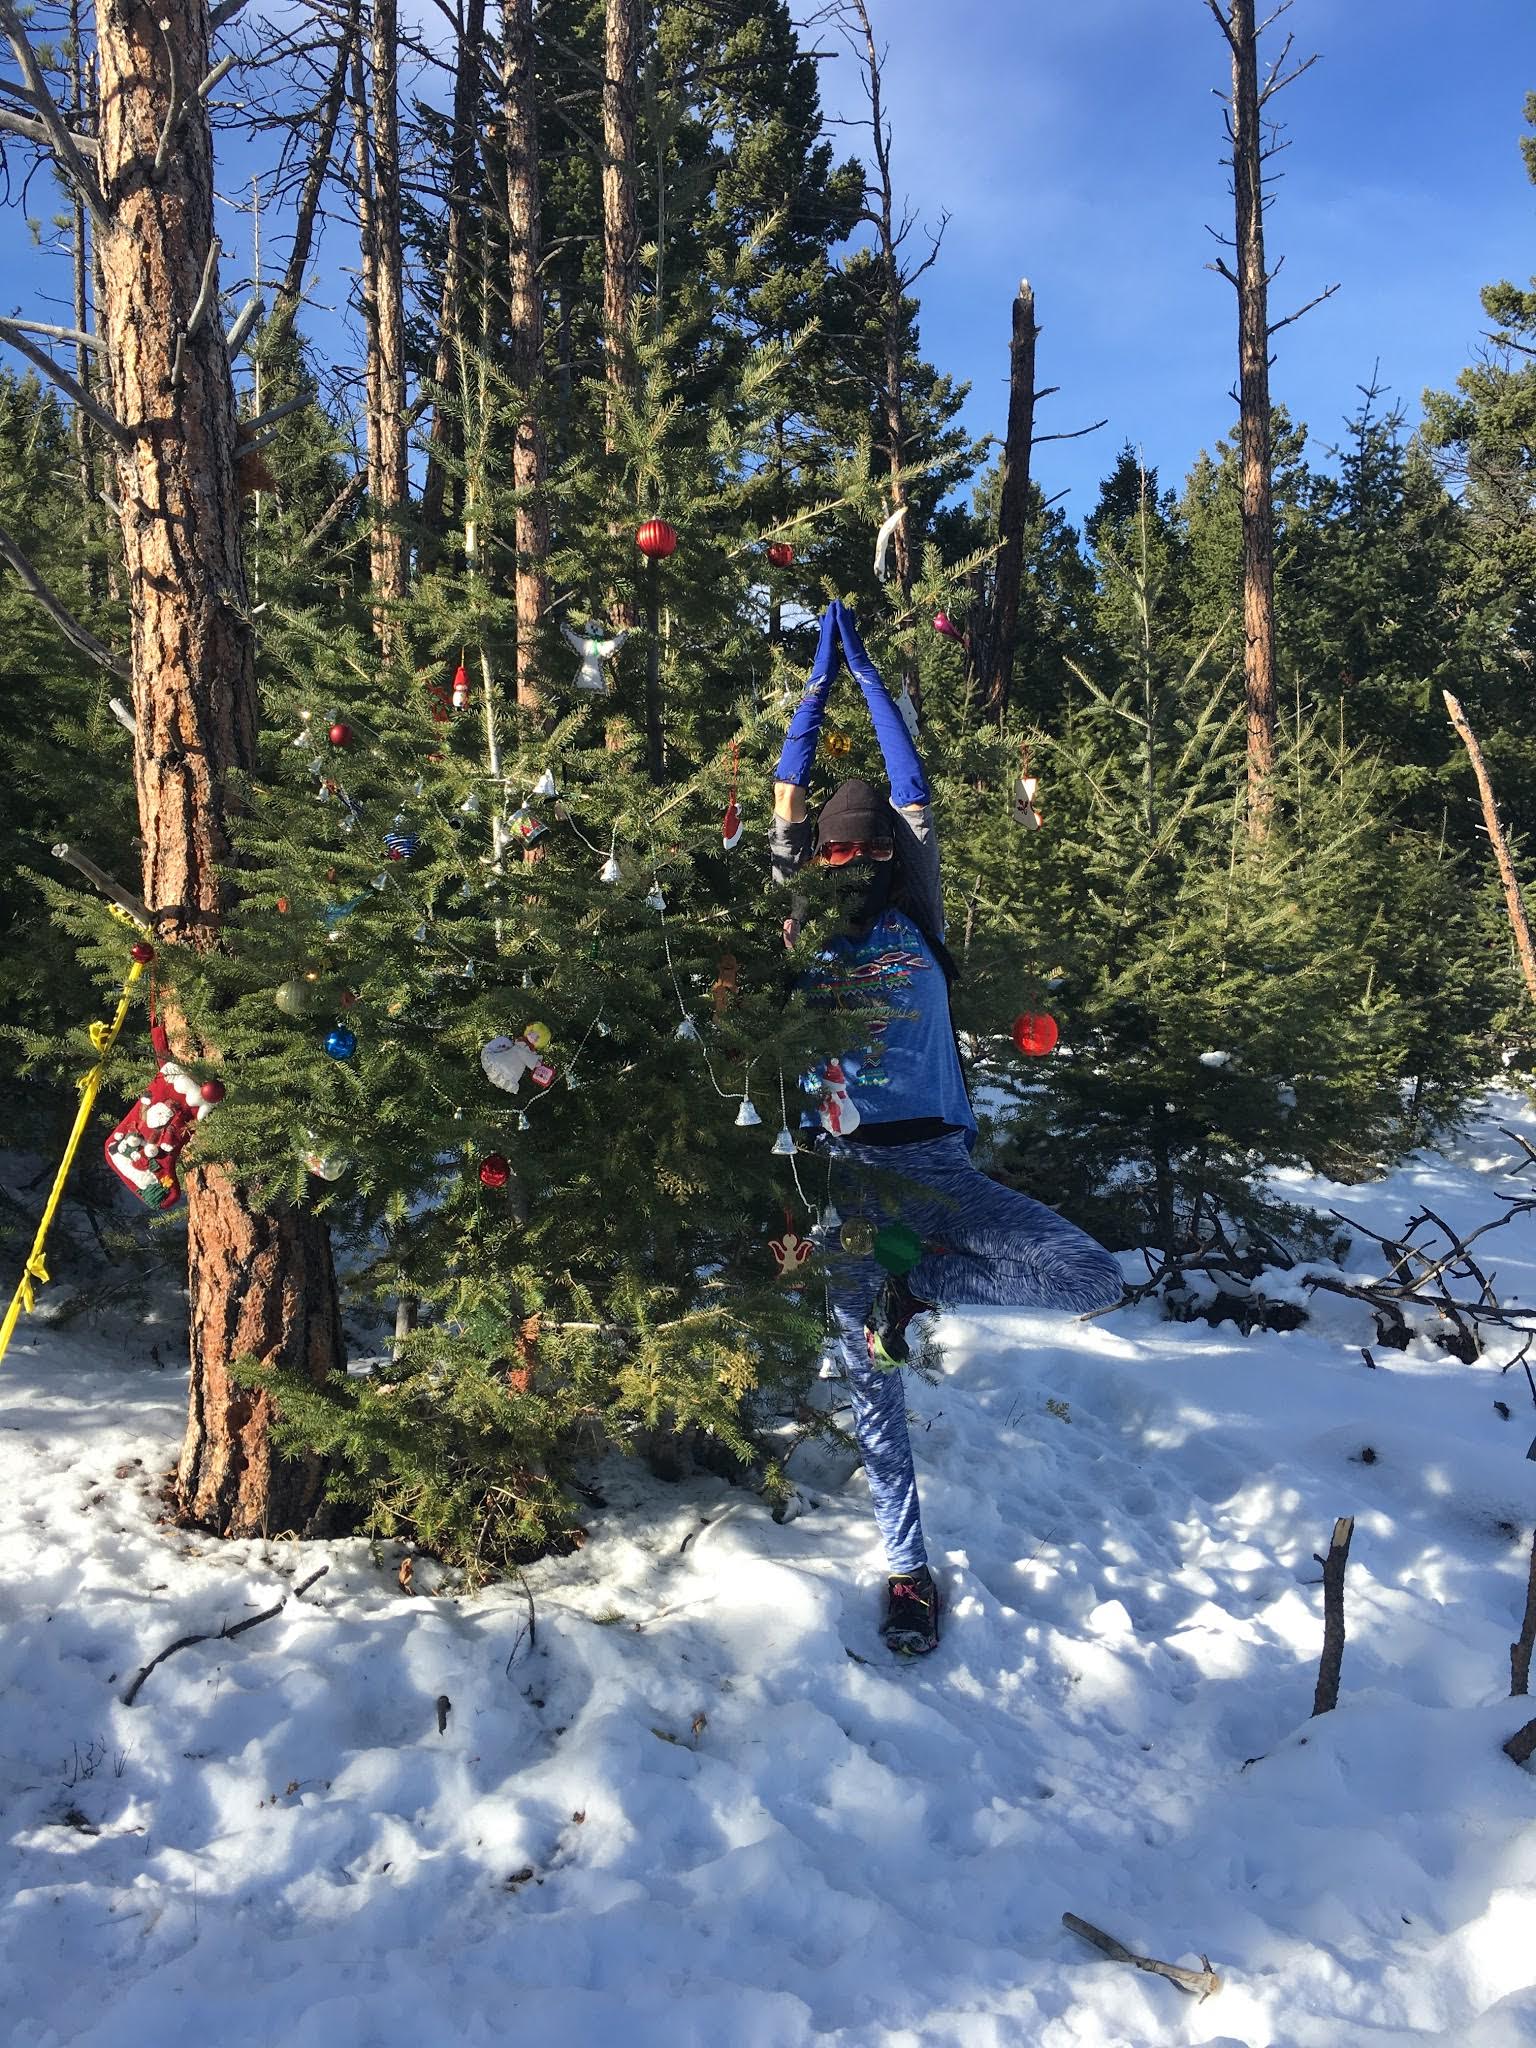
point(522, 289)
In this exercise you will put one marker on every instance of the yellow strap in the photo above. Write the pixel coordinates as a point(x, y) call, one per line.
point(103, 1038)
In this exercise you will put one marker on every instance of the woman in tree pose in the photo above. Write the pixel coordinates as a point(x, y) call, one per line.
point(897, 1119)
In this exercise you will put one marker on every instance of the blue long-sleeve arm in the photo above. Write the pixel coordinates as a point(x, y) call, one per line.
point(909, 784)
point(799, 749)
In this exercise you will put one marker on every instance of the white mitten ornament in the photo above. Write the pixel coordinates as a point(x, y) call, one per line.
point(506, 1060)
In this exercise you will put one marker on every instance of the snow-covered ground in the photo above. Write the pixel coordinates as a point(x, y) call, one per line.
point(702, 1809)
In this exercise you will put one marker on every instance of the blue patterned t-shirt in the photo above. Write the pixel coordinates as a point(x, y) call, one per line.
point(901, 1062)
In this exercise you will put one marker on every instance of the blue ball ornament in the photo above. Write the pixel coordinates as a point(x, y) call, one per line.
point(341, 1043)
point(401, 845)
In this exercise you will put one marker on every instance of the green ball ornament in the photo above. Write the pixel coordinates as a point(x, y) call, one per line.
point(897, 1248)
point(857, 1237)
point(293, 998)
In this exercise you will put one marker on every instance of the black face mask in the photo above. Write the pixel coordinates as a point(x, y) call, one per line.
point(862, 891)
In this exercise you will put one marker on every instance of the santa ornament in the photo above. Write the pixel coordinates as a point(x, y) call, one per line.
point(839, 1112)
point(144, 1149)
point(506, 1060)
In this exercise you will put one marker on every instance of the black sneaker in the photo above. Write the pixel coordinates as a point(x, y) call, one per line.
point(891, 1311)
point(913, 1604)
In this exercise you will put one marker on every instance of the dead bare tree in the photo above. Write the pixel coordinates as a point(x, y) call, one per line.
point(261, 1283)
point(1519, 922)
point(327, 119)
point(892, 227)
point(1254, 142)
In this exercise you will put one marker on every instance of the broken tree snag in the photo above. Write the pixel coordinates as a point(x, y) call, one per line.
point(1013, 509)
point(1204, 1983)
point(1326, 1698)
point(1520, 923)
point(1521, 1746)
point(1520, 1649)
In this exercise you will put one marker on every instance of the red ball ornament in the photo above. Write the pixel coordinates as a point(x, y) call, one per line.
point(780, 553)
point(143, 952)
point(495, 1171)
point(656, 540)
point(213, 1091)
point(341, 734)
point(1035, 1033)
point(944, 625)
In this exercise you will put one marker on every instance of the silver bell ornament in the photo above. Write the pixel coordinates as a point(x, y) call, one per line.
point(687, 1031)
point(545, 786)
point(746, 1116)
point(784, 1143)
point(655, 898)
point(610, 871)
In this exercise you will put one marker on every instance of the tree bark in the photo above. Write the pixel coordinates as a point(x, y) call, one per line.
point(1520, 923)
point(1254, 433)
point(194, 697)
point(1013, 509)
point(1525, 1643)
point(526, 317)
point(445, 441)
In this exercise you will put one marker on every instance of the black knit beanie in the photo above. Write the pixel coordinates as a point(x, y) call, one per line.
point(856, 812)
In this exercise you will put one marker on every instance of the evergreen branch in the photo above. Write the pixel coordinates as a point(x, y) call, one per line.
point(78, 636)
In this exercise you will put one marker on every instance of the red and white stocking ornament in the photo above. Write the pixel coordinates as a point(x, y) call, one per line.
point(144, 1149)
point(731, 827)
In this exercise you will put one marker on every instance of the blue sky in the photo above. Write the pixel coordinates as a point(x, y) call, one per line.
point(1078, 143)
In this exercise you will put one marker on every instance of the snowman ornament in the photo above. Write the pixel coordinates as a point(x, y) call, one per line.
point(595, 645)
point(144, 1148)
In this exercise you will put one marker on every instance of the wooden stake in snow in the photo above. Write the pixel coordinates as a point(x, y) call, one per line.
point(1326, 1697)
point(1518, 919)
point(1520, 1649)
point(1204, 1982)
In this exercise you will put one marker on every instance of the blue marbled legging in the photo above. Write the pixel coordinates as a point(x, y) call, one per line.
point(986, 1245)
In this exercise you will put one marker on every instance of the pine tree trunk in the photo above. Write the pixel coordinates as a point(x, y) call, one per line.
point(1013, 510)
point(389, 551)
point(194, 697)
point(526, 319)
point(621, 230)
point(445, 441)
point(1254, 413)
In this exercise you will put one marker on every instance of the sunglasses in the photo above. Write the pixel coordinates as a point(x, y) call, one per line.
point(837, 853)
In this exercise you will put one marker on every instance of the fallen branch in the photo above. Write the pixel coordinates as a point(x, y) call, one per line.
point(222, 1635)
point(1205, 1982)
point(1326, 1698)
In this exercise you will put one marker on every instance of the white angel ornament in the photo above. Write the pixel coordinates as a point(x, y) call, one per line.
point(595, 644)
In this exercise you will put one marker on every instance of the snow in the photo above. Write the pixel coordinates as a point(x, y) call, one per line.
point(702, 1808)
